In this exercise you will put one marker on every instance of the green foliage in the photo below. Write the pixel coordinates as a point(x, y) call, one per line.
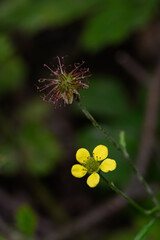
point(30, 143)
point(41, 149)
point(2, 237)
point(115, 20)
point(155, 233)
point(105, 96)
point(10, 155)
point(33, 145)
point(109, 22)
point(150, 230)
point(34, 16)
point(2, 160)
point(26, 220)
point(38, 149)
point(145, 230)
point(6, 49)
point(12, 67)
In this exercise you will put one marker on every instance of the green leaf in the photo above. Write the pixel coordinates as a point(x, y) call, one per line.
point(145, 230)
point(12, 74)
point(105, 96)
point(26, 220)
point(41, 149)
point(12, 67)
point(32, 16)
point(6, 49)
point(115, 20)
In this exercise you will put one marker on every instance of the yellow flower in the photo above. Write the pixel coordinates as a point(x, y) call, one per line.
point(92, 165)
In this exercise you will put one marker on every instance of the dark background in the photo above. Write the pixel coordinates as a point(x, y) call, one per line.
point(120, 42)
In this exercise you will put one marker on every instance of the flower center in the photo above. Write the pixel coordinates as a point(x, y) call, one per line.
point(92, 165)
point(65, 82)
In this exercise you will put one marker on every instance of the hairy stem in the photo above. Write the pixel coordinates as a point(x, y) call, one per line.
point(122, 151)
point(132, 202)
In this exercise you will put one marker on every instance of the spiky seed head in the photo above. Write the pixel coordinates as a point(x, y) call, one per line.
point(63, 85)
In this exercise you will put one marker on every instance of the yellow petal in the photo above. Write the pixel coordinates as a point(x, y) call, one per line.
point(100, 152)
point(78, 171)
point(93, 180)
point(108, 165)
point(82, 155)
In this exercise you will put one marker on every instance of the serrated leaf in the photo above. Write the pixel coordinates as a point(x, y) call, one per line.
point(144, 231)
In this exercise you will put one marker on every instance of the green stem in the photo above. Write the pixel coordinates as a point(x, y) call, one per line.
point(133, 203)
point(122, 151)
point(155, 210)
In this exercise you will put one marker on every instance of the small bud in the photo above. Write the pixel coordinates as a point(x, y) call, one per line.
point(122, 142)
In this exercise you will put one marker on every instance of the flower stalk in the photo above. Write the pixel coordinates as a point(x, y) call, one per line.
point(132, 202)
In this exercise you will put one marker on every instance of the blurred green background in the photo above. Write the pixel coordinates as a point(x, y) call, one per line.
point(119, 40)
